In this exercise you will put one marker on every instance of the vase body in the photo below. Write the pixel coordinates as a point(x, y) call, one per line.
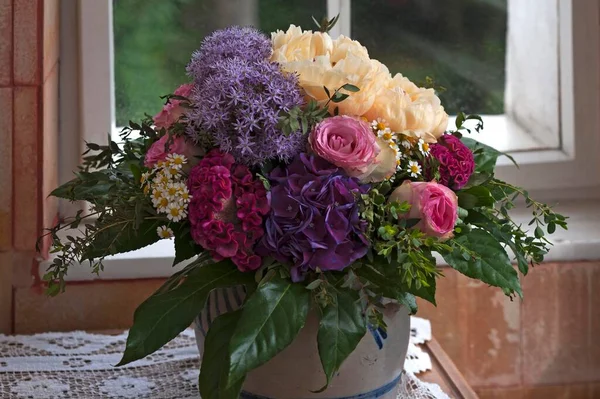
point(373, 370)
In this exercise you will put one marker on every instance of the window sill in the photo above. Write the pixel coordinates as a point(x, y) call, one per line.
point(580, 242)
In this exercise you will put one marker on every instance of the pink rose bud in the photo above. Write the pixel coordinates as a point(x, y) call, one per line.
point(436, 205)
point(173, 110)
point(349, 143)
point(178, 145)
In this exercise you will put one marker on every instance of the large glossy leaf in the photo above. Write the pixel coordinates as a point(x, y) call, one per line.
point(215, 359)
point(122, 237)
point(490, 263)
point(479, 219)
point(163, 316)
point(271, 320)
point(185, 247)
point(485, 156)
point(341, 328)
point(391, 286)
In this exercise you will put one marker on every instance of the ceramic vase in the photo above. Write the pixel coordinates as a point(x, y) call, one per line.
point(373, 370)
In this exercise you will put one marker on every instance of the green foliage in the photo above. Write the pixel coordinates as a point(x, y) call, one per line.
point(485, 156)
point(215, 359)
point(478, 255)
point(185, 246)
point(163, 316)
point(271, 320)
point(341, 328)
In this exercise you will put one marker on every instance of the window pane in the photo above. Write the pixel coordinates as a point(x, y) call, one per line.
point(153, 46)
point(461, 44)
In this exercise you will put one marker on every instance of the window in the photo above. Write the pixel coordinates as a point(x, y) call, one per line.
point(530, 67)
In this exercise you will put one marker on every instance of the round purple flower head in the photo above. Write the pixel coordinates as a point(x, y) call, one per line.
point(456, 161)
point(247, 43)
point(239, 96)
point(314, 220)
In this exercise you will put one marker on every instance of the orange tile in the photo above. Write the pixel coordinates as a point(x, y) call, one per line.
point(560, 335)
point(479, 329)
point(26, 175)
point(50, 147)
point(568, 391)
point(26, 60)
point(51, 35)
point(6, 106)
point(84, 306)
point(5, 292)
point(5, 42)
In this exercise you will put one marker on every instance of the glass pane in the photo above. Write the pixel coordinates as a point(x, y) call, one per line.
point(460, 44)
point(153, 41)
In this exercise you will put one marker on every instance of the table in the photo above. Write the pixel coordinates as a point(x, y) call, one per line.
point(444, 373)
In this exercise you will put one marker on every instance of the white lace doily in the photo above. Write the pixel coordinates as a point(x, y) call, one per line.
point(81, 365)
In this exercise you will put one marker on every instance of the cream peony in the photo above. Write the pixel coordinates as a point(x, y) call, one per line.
point(298, 45)
point(409, 109)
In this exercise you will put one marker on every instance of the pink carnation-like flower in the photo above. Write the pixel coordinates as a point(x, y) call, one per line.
point(227, 209)
point(173, 110)
point(436, 205)
point(456, 161)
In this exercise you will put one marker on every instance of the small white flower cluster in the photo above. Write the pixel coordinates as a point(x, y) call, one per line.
point(168, 191)
point(405, 149)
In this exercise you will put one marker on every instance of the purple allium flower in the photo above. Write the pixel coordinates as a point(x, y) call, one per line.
point(246, 43)
point(456, 161)
point(237, 108)
point(314, 220)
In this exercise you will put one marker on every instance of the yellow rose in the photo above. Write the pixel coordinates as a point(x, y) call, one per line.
point(298, 45)
point(409, 109)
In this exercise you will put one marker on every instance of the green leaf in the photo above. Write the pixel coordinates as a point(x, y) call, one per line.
point(185, 248)
point(341, 328)
point(460, 119)
point(271, 320)
point(475, 196)
point(351, 88)
point(215, 359)
point(492, 227)
point(490, 263)
point(477, 179)
point(485, 156)
point(163, 316)
point(122, 237)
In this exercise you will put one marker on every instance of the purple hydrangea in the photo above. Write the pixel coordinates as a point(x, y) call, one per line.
point(237, 109)
point(456, 161)
point(314, 222)
point(246, 43)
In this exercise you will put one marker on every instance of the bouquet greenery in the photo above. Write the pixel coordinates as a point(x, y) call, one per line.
point(301, 169)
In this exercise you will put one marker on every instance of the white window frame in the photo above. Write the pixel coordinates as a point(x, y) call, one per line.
point(562, 167)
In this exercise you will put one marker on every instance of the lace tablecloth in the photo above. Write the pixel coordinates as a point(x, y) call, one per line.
point(80, 365)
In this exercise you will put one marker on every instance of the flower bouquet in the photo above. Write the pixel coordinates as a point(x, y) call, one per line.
point(299, 174)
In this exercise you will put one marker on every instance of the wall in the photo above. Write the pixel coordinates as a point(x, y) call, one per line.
point(545, 346)
point(28, 139)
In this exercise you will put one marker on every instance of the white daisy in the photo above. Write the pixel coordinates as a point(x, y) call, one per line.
point(144, 178)
point(406, 144)
point(379, 124)
point(424, 147)
point(161, 205)
point(172, 191)
point(175, 212)
point(176, 161)
point(164, 232)
point(414, 168)
point(385, 134)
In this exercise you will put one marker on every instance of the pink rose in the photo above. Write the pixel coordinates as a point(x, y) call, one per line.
point(178, 145)
point(436, 205)
point(350, 144)
point(173, 110)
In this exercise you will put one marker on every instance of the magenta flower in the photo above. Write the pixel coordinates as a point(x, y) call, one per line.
point(456, 161)
point(227, 209)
